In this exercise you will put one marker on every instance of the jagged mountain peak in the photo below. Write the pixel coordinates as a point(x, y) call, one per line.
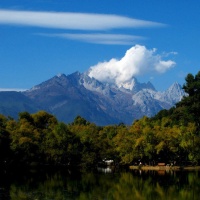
point(59, 75)
point(175, 87)
point(175, 90)
point(60, 80)
point(67, 96)
point(128, 85)
point(140, 86)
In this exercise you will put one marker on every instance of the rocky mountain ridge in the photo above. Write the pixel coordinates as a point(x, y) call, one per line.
point(101, 103)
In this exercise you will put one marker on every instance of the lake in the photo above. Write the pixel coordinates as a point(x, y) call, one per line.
point(103, 184)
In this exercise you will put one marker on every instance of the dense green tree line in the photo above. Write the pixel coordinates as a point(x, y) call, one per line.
point(170, 136)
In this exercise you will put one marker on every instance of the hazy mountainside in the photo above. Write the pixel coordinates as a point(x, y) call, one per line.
point(101, 103)
point(11, 103)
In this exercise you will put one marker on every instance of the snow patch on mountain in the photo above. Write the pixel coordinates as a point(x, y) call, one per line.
point(102, 101)
point(142, 93)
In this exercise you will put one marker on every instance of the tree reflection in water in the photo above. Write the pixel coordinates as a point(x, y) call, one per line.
point(121, 185)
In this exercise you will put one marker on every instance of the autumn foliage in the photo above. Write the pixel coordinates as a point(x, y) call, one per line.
point(172, 136)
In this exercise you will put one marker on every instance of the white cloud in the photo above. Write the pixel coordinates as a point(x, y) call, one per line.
point(12, 89)
point(138, 60)
point(99, 38)
point(69, 20)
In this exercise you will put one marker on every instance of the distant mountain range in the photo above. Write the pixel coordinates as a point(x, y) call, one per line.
point(102, 103)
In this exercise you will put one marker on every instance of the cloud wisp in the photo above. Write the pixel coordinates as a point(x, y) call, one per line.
point(138, 60)
point(72, 21)
point(12, 90)
point(99, 38)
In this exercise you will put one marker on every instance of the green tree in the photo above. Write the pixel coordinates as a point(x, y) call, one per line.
point(88, 134)
point(124, 142)
point(190, 143)
point(4, 141)
point(60, 146)
point(191, 103)
point(106, 142)
point(24, 141)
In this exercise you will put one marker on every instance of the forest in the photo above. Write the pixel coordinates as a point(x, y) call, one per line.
point(171, 136)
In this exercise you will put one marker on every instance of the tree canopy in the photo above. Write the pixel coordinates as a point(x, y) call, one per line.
point(171, 136)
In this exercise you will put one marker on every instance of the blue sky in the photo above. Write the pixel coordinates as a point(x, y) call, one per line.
point(42, 38)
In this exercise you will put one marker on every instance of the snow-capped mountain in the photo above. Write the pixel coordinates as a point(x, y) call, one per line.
point(141, 97)
point(101, 103)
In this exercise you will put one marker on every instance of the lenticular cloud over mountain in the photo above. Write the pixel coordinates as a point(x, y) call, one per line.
point(138, 60)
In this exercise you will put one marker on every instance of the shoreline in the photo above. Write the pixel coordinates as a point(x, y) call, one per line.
point(157, 168)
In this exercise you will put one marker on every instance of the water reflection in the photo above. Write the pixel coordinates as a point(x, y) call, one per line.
point(105, 169)
point(101, 185)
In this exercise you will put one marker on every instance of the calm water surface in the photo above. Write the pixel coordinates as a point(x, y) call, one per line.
point(101, 185)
